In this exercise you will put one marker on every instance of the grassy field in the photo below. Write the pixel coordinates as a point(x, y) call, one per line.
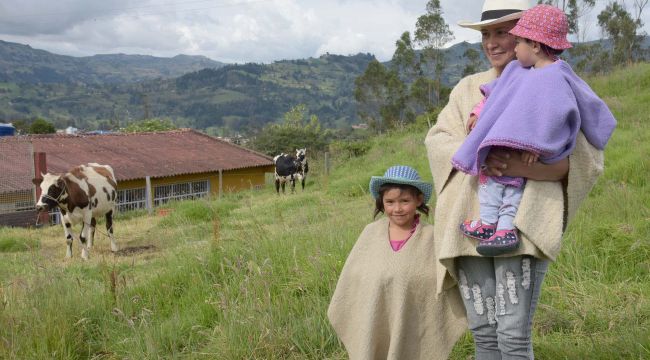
point(250, 276)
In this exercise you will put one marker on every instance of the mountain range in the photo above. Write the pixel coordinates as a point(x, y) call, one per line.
point(110, 91)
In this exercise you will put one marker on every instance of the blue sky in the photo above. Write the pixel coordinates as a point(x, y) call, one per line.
point(231, 30)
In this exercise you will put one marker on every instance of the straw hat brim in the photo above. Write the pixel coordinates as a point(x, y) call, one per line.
point(377, 181)
point(481, 24)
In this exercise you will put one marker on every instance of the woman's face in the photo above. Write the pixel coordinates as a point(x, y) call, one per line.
point(498, 44)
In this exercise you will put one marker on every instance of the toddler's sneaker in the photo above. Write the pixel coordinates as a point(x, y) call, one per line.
point(477, 230)
point(503, 241)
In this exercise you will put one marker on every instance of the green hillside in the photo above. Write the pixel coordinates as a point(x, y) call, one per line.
point(23, 64)
point(250, 276)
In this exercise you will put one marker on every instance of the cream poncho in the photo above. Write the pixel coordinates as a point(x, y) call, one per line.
point(385, 304)
point(545, 207)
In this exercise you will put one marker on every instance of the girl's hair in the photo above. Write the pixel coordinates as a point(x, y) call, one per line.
point(379, 202)
point(547, 49)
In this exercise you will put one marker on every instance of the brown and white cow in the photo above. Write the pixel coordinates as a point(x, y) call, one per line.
point(82, 194)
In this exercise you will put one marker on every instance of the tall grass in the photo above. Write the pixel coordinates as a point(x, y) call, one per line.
point(250, 275)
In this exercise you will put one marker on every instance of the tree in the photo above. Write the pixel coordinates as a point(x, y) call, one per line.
point(380, 96)
point(618, 24)
point(154, 124)
point(298, 130)
point(405, 60)
point(41, 126)
point(432, 32)
point(474, 64)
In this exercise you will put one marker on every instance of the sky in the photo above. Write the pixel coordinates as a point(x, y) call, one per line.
point(232, 31)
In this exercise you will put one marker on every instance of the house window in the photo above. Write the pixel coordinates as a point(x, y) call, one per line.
point(131, 199)
point(181, 191)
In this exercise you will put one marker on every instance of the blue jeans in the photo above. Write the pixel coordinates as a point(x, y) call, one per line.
point(500, 297)
point(499, 203)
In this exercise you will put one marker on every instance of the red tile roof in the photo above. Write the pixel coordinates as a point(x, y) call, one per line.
point(137, 155)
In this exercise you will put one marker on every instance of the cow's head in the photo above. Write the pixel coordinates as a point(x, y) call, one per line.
point(52, 191)
point(300, 154)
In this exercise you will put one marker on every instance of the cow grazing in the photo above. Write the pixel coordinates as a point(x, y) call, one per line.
point(288, 169)
point(82, 195)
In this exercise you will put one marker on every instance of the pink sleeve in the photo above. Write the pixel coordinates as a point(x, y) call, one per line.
point(476, 110)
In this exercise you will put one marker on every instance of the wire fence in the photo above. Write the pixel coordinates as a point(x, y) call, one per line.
point(16, 188)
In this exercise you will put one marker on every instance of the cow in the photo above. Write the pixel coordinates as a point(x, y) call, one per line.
point(285, 169)
point(288, 169)
point(303, 166)
point(83, 194)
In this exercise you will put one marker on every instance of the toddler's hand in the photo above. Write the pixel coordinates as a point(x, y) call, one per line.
point(471, 123)
point(529, 158)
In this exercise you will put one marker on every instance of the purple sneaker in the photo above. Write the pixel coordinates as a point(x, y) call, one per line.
point(503, 241)
point(477, 230)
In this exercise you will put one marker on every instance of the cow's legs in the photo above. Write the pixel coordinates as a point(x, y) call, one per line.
point(91, 238)
point(283, 186)
point(293, 184)
point(85, 231)
point(67, 228)
point(109, 230)
point(303, 183)
point(277, 186)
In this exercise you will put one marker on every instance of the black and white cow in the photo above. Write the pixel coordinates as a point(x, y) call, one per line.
point(285, 168)
point(303, 166)
point(288, 169)
point(82, 194)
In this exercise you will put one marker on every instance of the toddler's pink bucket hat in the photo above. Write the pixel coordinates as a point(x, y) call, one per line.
point(545, 24)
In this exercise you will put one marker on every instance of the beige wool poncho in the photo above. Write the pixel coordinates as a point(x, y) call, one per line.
point(545, 208)
point(385, 304)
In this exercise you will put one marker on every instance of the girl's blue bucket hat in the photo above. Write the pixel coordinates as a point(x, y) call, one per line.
point(401, 174)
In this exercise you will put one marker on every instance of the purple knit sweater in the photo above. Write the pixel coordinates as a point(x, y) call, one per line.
point(537, 110)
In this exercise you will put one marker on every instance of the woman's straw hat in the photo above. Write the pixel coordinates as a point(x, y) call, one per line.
point(498, 11)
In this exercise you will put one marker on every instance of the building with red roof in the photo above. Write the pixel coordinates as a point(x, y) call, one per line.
point(151, 168)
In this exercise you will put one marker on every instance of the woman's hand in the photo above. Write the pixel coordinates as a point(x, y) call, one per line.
point(506, 162)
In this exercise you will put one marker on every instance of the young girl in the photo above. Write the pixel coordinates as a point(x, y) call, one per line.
point(538, 106)
point(385, 304)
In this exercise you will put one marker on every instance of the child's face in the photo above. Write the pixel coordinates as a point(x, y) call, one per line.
point(525, 52)
point(400, 207)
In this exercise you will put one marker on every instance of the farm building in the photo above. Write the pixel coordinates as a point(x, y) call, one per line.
point(151, 168)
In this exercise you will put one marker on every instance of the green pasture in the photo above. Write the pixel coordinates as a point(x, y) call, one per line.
point(250, 275)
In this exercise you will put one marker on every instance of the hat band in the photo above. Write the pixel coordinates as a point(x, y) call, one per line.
point(495, 14)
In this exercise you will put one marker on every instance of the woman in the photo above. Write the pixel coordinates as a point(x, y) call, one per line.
point(500, 294)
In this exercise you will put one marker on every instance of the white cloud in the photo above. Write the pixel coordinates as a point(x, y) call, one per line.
point(226, 30)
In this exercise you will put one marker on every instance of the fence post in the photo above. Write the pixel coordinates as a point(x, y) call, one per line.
point(40, 167)
point(327, 163)
point(220, 182)
point(148, 195)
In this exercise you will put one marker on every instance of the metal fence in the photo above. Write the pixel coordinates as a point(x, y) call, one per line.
point(180, 191)
point(16, 189)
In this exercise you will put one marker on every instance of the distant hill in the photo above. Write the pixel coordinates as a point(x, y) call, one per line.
point(23, 64)
point(236, 97)
point(110, 91)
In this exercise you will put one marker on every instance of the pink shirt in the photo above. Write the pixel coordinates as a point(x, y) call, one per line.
point(398, 244)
